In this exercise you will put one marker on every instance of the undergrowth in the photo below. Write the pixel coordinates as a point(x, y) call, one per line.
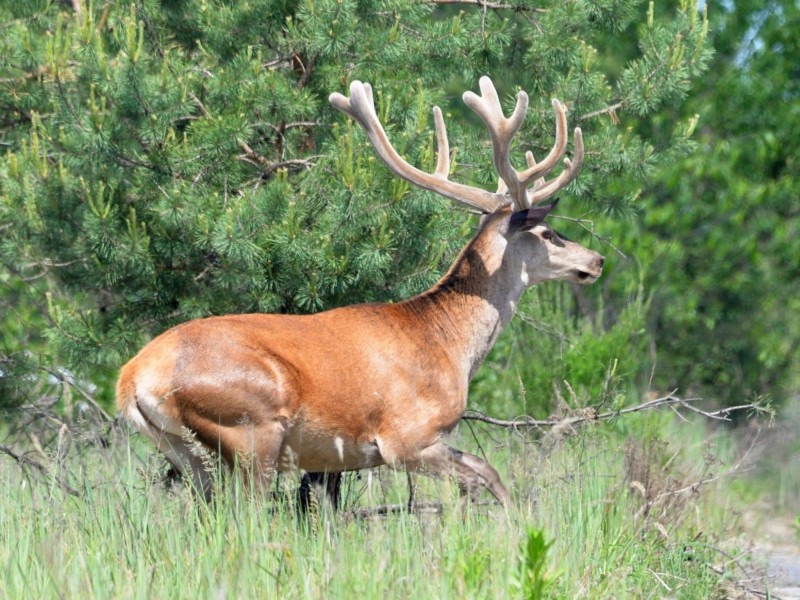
point(641, 507)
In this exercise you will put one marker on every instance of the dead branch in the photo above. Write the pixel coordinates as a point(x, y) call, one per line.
point(293, 164)
point(66, 381)
point(371, 512)
point(250, 155)
point(668, 499)
point(587, 414)
point(747, 572)
point(200, 105)
point(612, 110)
point(290, 125)
point(520, 8)
point(383, 510)
point(24, 461)
point(742, 586)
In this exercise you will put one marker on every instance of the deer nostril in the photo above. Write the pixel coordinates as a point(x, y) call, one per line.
point(601, 261)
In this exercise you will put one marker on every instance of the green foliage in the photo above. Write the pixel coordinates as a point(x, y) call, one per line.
point(597, 531)
point(555, 351)
point(22, 321)
point(534, 577)
point(171, 160)
point(719, 228)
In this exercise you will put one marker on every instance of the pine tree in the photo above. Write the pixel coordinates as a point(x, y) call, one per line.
point(171, 160)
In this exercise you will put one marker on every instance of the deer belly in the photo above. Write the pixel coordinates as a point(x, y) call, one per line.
point(315, 451)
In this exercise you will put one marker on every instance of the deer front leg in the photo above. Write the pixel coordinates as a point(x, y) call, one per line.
point(312, 483)
point(470, 471)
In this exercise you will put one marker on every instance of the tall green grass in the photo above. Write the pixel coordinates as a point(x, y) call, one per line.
point(596, 515)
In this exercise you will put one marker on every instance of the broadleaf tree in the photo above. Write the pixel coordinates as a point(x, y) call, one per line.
point(720, 225)
point(166, 160)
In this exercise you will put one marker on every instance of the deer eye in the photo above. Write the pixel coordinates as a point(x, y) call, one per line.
point(547, 235)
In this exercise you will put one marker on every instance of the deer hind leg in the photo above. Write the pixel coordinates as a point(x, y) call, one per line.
point(186, 460)
point(471, 471)
point(180, 450)
point(253, 449)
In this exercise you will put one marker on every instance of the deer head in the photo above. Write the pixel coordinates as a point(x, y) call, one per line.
point(541, 253)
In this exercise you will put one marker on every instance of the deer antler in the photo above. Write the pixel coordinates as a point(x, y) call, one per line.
point(360, 106)
point(513, 186)
point(502, 130)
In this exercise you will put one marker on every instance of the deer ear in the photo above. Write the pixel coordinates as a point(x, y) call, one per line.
point(528, 219)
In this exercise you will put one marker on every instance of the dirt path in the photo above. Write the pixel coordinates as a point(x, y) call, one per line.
point(783, 572)
point(779, 544)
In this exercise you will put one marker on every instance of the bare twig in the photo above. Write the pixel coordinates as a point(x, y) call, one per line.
point(251, 156)
point(736, 560)
point(25, 461)
point(370, 512)
point(722, 414)
point(307, 70)
point(84, 394)
point(608, 109)
point(588, 225)
point(493, 5)
point(294, 164)
point(291, 124)
point(281, 61)
point(695, 486)
point(612, 109)
point(200, 105)
point(741, 585)
point(383, 510)
point(590, 414)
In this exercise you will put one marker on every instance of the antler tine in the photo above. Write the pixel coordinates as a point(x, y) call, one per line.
point(360, 106)
point(538, 170)
point(442, 145)
point(502, 130)
point(512, 186)
point(531, 164)
point(572, 167)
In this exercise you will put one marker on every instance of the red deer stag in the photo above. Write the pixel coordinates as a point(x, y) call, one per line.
point(373, 384)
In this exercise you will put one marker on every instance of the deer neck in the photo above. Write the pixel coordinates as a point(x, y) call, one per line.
point(471, 305)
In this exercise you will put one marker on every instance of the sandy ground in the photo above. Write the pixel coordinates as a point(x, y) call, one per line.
point(779, 544)
point(783, 573)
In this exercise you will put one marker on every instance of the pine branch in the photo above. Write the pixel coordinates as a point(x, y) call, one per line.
point(75, 5)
